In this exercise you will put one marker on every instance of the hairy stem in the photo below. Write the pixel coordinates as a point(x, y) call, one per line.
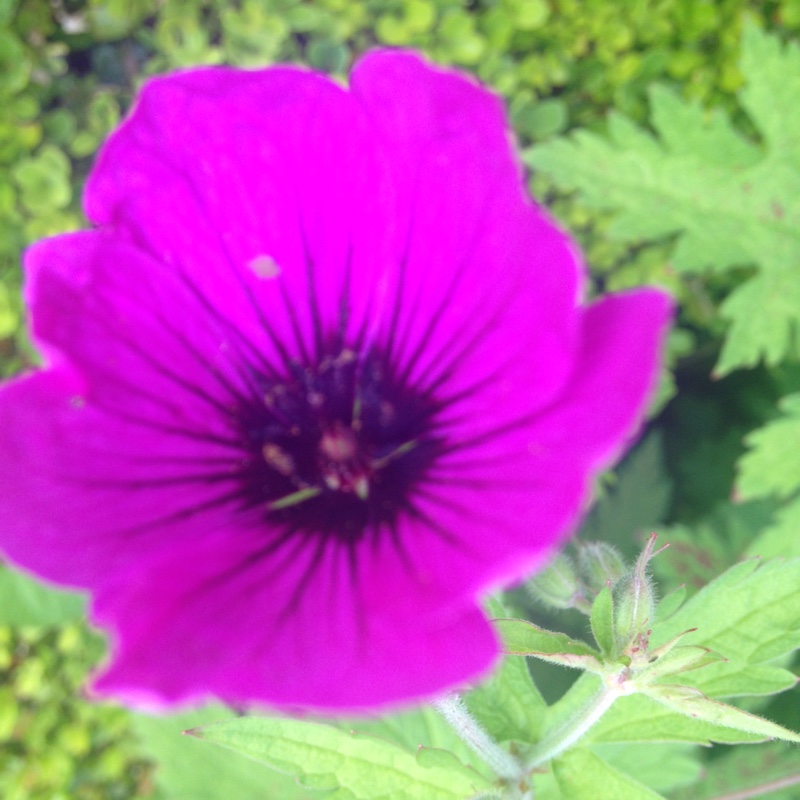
point(574, 729)
point(452, 708)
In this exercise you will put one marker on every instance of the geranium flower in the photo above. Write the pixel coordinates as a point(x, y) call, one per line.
point(317, 380)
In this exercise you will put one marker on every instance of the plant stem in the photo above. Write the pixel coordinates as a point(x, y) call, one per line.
point(765, 788)
point(452, 708)
point(574, 729)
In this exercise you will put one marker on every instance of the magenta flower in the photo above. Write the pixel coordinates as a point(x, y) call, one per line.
point(317, 380)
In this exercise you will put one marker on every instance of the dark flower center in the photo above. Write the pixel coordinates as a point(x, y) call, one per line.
point(338, 446)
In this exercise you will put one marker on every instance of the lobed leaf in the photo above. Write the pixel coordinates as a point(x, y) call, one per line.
point(749, 614)
point(772, 463)
point(729, 203)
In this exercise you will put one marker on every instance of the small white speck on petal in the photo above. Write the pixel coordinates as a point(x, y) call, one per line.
point(265, 267)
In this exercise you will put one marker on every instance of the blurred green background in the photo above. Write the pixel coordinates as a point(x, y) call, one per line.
point(68, 71)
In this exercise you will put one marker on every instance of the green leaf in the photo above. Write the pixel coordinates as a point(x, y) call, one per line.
point(750, 614)
point(769, 770)
point(187, 769)
point(662, 767)
point(25, 601)
point(351, 766)
point(602, 619)
point(772, 91)
point(676, 661)
point(700, 552)
point(581, 773)
point(638, 499)
point(670, 603)
point(693, 703)
point(523, 638)
point(780, 538)
point(637, 718)
point(421, 727)
point(729, 203)
point(509, 705)
point(772, 463)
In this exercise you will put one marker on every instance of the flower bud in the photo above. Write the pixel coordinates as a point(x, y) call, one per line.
point(635, 604)
point(558, 585)
point(600, 564)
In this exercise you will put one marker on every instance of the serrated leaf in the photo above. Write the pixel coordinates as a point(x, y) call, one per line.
point(772, 90)
point(187, 769)
point(770, 770)
point(351, 766)
point(750, 614)
point(693, 703)
point(602, 621)
point(580, 773)
point(772, 463)
point(523, 638)
point(26, 601)
point(729, 203)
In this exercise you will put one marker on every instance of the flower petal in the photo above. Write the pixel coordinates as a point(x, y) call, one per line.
point(267, 180)
point(486, 291)
point(533, 478)
point(293, 630)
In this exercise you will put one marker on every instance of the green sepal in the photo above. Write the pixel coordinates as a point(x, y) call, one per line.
point(602, 621)
point(693, 703)
point(677, 660)
point(523, 638)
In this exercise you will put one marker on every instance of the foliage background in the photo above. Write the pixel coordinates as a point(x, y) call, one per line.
point(718, 470)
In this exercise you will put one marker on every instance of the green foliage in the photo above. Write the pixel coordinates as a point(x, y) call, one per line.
point(732, 203)
point(770, 469)
point(53, 744)
point(580, 772)
point(662, 767)
point(349, 766)
point(189, 770)
point(24, 601)
point(771, 770)
point(720, 177)
point(509, 705)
